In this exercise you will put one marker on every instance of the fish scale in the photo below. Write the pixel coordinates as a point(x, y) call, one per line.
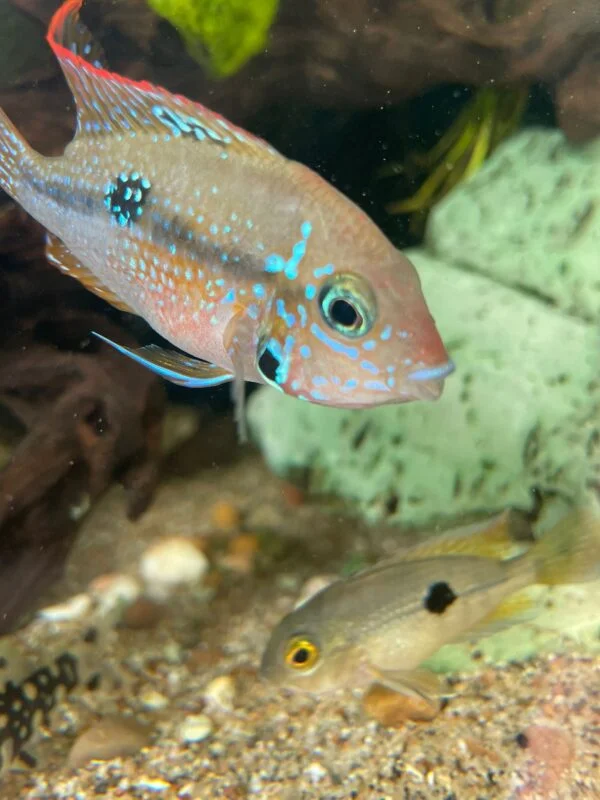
point(250, 263)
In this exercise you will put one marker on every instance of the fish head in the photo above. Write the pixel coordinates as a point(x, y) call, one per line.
point(354, 337)
point(302, 654)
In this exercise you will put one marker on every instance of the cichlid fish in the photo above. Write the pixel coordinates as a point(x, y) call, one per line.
point(380, 625)
point(249, 262)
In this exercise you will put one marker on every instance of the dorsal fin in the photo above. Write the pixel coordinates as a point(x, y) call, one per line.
point(60, 256)
point(109, 103)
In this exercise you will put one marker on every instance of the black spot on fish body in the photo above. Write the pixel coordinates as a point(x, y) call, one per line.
point(439, 596)
point(126, 196)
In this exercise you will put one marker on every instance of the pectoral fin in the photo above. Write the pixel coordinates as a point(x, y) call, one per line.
point(175, 367)
point(414, 683)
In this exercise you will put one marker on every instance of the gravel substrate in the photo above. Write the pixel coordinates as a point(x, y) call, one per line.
point(182, 676)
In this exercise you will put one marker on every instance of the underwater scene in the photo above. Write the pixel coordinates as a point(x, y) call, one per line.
point(300, 399)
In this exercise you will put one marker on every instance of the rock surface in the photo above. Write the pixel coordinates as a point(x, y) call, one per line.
point(521, 412)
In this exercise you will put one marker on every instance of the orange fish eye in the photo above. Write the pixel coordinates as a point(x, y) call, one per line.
point(301, 654)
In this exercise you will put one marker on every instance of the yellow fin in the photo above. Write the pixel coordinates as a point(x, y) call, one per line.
point(500, 537)
point(60, 256)
point(570, 551)
point(518, 607)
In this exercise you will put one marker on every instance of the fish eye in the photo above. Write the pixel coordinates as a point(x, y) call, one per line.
point(301, 654)
point(268, 363)
point(348, 306)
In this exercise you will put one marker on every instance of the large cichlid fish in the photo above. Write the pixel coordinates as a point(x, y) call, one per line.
point(380, 625)
point(249, 262)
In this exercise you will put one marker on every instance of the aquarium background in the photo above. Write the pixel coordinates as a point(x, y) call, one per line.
point(146, 554)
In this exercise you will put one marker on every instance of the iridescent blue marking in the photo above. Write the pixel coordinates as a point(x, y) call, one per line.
point(229, 297)
point(310, 291)
point(351, 383)
point(386, 333)
point(320, 272)
point(337, 347)
point(432, 373)
point(303, 315)
point(305, 351)
point(220, 282)
point(370, 345)
point(259, 290)
point(370, 367)
point(376, 386)
point(213, 230)
point(275, 262)
point(316, 395)
point(391, 382)
point(295, 385)
point(319, 380)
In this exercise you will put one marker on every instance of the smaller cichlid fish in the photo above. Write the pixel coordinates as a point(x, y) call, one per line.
point(251, 263)
point(381, 624)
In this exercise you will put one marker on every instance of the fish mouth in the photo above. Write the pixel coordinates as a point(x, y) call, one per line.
point(437, 373)
point(429, 381)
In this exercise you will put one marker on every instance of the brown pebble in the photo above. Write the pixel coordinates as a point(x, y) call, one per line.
point(142, 614)
point(293, 495)
point(111, 737)
point(392, 709)
point(225, 516)
point(205, 657)
point(241, 553)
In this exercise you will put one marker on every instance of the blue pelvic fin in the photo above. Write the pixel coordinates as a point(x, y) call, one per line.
point(172, 366)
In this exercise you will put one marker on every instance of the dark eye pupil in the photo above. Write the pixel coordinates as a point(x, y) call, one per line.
point(301, 656)
point(268, 364)
point(343, 313)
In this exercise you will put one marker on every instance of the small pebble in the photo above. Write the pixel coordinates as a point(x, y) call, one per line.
point(142, 614)
point(153, 700)
point(312, 586)
point(111, 737)
point(115, 589)
point(241, 553)
point(172, 562)
point(225, 516)
point(315, 772)
point(73, 608)
point(195, 728)
point(221, 692)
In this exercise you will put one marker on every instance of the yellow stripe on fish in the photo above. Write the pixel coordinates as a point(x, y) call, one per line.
point(250, 263)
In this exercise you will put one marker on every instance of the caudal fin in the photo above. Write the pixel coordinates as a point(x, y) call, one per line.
point(570, 551)
point(14, 150)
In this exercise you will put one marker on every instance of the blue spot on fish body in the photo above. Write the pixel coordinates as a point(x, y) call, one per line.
point(305, 351)
point(259, 290)
point(386, 333)
point(370, 345)
point(229, 297)
point(310, 292)
point(370, 367)
point(337, 347)
point(320, 272)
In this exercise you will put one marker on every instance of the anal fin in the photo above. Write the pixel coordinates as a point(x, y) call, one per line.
point(60, 256)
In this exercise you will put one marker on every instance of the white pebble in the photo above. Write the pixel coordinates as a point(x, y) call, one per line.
point(221, 692)
point(315, 772)
point(153, 700)
point(172, 562)
point(195, 728)
point(115, 590)
point(312, 586)
point(73, 608)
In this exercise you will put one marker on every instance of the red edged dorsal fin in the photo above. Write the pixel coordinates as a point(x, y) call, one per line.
point(109, 103)
point(60, 256)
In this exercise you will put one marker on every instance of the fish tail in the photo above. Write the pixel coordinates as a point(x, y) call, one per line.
point(570, 551)
point(14, 152)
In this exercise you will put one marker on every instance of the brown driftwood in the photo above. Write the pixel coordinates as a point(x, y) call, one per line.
point(87, 416)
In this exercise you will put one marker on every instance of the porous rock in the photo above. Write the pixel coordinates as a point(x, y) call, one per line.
point(521, 412)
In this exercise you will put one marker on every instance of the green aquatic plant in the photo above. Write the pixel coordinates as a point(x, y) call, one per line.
point(221, 34)
point(492, 114)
